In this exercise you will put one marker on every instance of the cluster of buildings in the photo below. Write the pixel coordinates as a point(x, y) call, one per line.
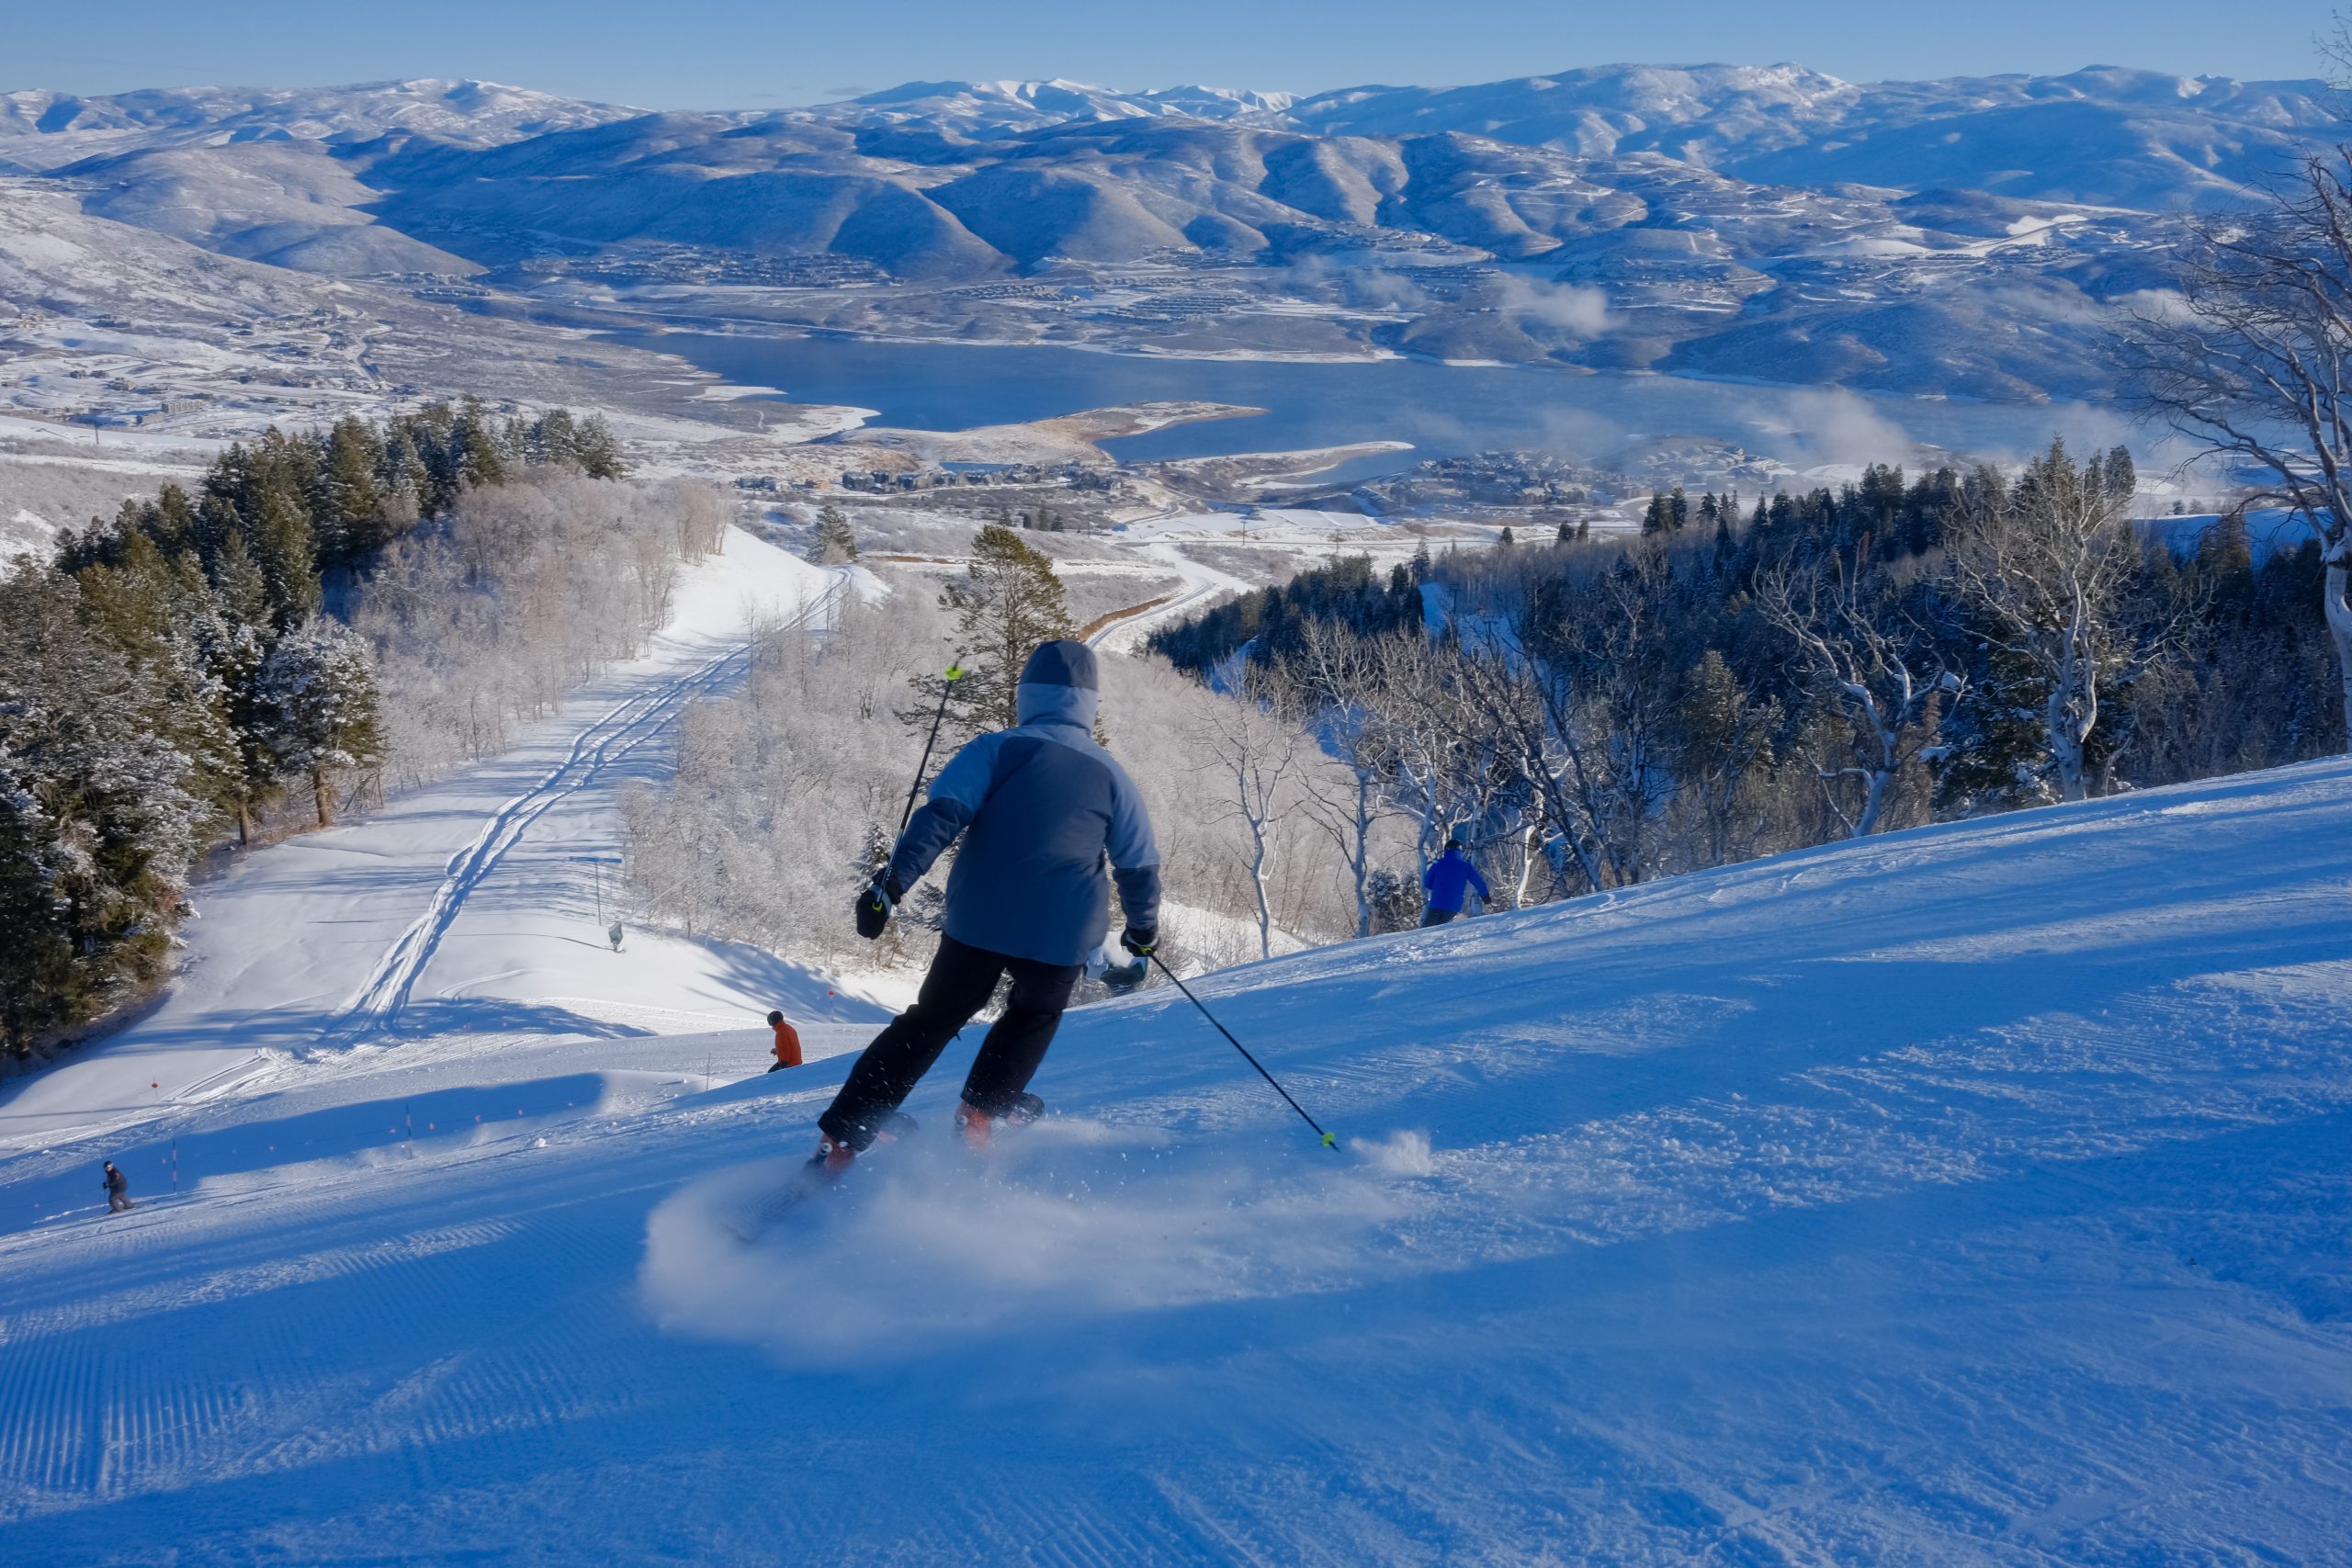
point(664, 262)
point(1499, 479)
point(1076, 475)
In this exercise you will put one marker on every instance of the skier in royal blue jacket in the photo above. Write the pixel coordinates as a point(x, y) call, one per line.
point(1448, 880)
point(1042, 811)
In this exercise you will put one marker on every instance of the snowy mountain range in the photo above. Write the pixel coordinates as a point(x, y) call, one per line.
point(40, 130)
point(1960, 237)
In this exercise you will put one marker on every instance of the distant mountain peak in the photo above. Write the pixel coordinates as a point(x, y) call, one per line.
point(1025, 103)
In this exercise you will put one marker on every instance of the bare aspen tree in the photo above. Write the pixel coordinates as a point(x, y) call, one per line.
point(2256, 365)
point(1248, 757)
point(1537, 721)
point(2049, 573)
point(1346, 794)
point(1572, 684)
point(1438, 755)
point(1878, 665)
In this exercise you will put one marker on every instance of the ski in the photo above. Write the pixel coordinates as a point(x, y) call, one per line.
point(814, 1176)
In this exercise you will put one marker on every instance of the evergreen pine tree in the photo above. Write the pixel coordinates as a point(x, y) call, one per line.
point(237, 577)
point(596, 451)
point(97, 825)
point(404, 481)
point(2119, 475)
point(475, 444)
point(835, 543)
point(173, 526)
point(157, 615)
point(318, 687)
point(282, 547)
point(1008, 601)
point(348, 506)
point(554, 437)
point(235, 661)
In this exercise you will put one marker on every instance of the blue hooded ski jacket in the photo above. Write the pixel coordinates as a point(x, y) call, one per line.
point(1042, 811)
point(1449, 878)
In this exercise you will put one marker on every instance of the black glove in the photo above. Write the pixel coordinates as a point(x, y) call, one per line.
point(874, 906)
point(1139, 940)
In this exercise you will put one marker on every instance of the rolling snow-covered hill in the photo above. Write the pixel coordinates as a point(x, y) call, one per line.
point(1982, 1193)
point(42, 130)
point(1962, 237)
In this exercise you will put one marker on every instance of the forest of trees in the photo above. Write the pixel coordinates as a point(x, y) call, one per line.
point(1587, 713)
point(232, 661)
point(787, 794)
point(1732, 683)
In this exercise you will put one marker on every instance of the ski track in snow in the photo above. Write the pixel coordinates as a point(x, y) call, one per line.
point(641, 718)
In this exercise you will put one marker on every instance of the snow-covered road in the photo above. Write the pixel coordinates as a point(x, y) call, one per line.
point(1976, 1194)
point(1202, 583)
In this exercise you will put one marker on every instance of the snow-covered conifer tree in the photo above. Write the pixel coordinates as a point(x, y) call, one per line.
point(318, 686)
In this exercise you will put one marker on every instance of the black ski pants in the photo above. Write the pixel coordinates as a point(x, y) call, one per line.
point(1433, 916)
point(961, 980)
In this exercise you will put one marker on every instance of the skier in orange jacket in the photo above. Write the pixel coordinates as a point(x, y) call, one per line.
point(788, 1044)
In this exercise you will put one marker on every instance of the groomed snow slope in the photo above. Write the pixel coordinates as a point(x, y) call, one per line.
point(1977, 1194)
point(474, 905)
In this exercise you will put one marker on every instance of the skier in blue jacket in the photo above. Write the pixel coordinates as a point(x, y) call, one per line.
point(1042, 810)
point(1448, 879)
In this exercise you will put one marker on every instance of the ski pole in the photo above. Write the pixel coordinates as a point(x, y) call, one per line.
point(954, 673)
point(1329, 1141)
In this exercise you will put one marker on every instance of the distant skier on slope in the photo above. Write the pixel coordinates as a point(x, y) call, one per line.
point(117, 1190)
point(1448, 880)
point(787, 1043)
point(1041, 809)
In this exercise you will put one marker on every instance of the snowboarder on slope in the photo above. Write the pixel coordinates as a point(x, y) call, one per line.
point(788, 1044)
point(1449, 878)
point(117, 1190)
point(1041, 809)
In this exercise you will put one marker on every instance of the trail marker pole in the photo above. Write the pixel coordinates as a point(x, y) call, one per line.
point(596, 864)
point(1329, 1141)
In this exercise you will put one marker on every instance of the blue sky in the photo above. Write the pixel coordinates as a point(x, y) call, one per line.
point(756, 53)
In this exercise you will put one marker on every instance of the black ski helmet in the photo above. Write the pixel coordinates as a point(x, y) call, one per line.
point(776, 1018)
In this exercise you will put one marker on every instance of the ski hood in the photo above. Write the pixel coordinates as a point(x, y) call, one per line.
point(1058, 685)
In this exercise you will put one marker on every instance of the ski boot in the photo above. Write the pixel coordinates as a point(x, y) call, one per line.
point(978, 1126)
point(834, 1157)
point(831, 1158)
